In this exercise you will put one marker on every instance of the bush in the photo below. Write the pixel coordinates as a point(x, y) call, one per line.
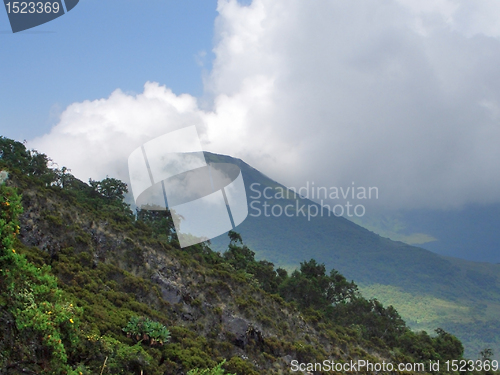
point(44, 319)
point(145, 329)
point(217, 370)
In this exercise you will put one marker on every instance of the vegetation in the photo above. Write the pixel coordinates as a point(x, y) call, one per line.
point(427, 290)
point(142, 328)
point(43, 318)
point(87, 287)
point(217, 370)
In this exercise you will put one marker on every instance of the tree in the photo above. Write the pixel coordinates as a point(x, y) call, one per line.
point(242, 258)
point(14, 154)
point(62, 177)
point(486, 354)
point(31, 163)
point(312, 287)
point(448, 345)
point(110, 188)
point(160, 222)
point(340, 290)
point(234, 237)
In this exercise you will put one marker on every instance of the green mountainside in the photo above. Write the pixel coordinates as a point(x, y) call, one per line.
point(87, 287)
point(469, 232)
point(427, 289)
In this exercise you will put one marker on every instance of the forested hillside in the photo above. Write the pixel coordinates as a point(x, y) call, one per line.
point(89, 287)
point(428, 290)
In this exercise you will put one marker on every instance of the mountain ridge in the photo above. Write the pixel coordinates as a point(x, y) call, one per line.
point(84, 280)
point(371, 260)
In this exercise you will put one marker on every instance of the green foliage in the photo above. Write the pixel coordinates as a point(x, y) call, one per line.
point(122, 358)
point(443, 346)
point(240, 366)
point(158, 222)
point(41, 313)
point(243, 259)
point(311, 287)
point(217, 370)
point(321, 296)
point(464, 295)
point(31, 163)
point(486, 354)
point(142, 328)
point(447, 344)
point(234, 237)
point(110, 188)
point(107, 261)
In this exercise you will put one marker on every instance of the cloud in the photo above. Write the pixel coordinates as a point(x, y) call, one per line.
point(95, 138)
point(402, 95)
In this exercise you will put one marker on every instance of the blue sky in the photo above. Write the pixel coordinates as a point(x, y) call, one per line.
point(96, 48)
point(402, 95)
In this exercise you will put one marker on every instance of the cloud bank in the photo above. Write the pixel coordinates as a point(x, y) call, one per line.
point(403, 95)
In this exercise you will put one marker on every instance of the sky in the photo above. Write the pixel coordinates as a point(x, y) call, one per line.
point(402, 95)
point(96, 48)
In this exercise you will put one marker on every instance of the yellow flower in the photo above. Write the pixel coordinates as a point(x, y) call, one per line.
point(50, 312)
point(14, 251)
point(71, 320)
point(70, 305)
point(7, 204)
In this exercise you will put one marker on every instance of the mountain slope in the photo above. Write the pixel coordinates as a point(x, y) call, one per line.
point(87, 287)
point(467, 233)
point(456, 291)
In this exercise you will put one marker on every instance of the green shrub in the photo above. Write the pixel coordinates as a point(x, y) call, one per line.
point(217, 370)
point(43, 317)
point(141, 328)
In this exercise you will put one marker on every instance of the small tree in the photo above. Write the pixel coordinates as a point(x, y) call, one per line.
point(234, 237)
point(486, 354)
point(448, 345)
point(145, 329)
point(110, 188)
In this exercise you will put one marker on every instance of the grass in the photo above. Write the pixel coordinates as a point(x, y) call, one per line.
point(469, 321)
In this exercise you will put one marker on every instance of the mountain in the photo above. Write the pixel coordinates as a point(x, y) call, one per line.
point(467, 233)
point(87, 287)
point(429, 290)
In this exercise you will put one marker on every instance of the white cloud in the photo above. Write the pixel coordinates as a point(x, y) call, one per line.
point(400, 94)
point(95, 138)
